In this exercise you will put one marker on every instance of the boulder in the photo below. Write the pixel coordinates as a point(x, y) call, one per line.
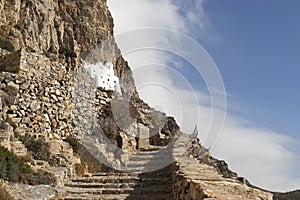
point(12, 88)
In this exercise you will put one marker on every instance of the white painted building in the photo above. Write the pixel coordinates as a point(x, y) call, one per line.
point(104, 76)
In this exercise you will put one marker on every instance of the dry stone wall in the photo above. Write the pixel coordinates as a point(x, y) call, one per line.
point(40, 94)
point(38, 99)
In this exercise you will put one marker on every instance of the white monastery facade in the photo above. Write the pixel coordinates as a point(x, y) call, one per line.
point(104, 76)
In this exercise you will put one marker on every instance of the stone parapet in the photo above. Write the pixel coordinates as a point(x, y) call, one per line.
point(196, 181)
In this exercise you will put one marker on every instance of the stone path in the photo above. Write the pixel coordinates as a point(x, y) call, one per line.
point(147, 175)
point(122, 185)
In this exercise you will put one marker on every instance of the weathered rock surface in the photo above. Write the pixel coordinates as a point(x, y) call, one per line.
point(41, 192)
point(64, 30)
point(49, 25)
point(287, 196)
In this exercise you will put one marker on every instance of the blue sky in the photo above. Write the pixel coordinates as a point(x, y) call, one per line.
point(258, 54)
point(255, 45)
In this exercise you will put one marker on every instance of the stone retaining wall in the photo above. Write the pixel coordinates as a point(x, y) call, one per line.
point(195, 181)
point(37, 98)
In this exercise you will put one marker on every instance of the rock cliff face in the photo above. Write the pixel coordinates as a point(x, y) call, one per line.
point(50, 108)
point(63, 30)
point(47, 26)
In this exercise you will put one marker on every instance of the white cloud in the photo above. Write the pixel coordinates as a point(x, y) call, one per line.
point(254, 152)
point(133, 14)
point(259, 154)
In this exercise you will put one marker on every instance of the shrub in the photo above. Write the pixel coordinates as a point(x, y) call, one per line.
point(14, 169)
point(4, 195)
point(67, 52)
point(20, 27)
point(38, 148)
point(29, 3)
point(74, 143)
point(7, 45)
point(11, 166)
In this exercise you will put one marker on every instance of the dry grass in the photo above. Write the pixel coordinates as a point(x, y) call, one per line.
point(4, 194)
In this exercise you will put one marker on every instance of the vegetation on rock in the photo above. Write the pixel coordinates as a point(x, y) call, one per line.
point(38, 148)
point(74, 143)
point(6, 45)
point(28, 3)
point(67, 52)
point(20, 27)
point(12, 168)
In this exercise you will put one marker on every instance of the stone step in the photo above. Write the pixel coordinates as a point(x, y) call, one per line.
point(149, 157)
point(158, 189)
point(146, 169)
point(162, 168)
point(119, 197)
point(161, 151)
point(104, 174)
point(146, 163)
point(135, 184)
point(161, 154)
point(117, 179)
point(143, 169)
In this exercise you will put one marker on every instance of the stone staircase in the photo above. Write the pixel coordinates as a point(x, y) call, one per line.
point(147, 175)
point(121, 185)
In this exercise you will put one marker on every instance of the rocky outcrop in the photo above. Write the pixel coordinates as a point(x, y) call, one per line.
point(51, 25)
point(65, 31)
point(288, 195)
